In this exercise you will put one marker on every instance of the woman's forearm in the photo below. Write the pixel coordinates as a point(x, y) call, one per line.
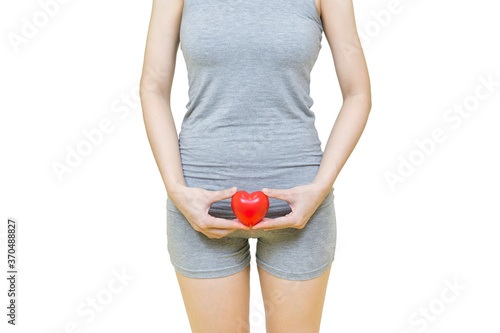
point(344, 136)
point(162, 136)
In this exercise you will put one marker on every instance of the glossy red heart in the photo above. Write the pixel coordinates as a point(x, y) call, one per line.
point(250, 209)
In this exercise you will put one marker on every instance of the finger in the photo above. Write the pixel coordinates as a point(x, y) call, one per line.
point(216, 233)
point(276, 193)
point(276, 223)
point(223, 194)
point(219, 233)
point(220, 223)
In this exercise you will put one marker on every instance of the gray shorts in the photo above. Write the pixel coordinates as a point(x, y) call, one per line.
point(290, 253)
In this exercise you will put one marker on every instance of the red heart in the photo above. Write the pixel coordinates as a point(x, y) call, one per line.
point(250, 209)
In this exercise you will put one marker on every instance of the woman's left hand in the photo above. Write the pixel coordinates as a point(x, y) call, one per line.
point(303, 199)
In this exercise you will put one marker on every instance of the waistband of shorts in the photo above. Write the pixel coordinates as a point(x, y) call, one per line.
point(228, 213)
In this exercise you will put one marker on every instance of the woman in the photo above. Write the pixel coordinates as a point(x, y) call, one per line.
point(249, 126)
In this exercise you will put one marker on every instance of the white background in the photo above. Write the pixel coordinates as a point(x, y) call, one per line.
point(397, 245)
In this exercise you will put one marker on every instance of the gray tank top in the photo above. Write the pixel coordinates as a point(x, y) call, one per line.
point(249, 121)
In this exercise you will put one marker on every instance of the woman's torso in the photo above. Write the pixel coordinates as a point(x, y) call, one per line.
point(248, 121)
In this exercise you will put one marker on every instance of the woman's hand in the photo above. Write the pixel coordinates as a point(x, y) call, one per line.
point(303, 199)
point(194, 203)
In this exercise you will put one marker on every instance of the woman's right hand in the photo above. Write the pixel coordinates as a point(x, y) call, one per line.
point(194, 203)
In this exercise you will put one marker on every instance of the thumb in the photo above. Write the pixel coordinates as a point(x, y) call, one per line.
point(274, 193)
point(224, 194)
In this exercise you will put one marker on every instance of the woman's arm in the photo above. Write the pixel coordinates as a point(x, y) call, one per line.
point(340, 29)
point(156, 83)
point(155, 87)
point(350, 65)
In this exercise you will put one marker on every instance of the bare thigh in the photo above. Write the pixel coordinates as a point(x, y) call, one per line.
point(219, 304)
point(293, 306)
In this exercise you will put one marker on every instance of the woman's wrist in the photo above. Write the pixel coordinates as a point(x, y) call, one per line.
point(322, 185)
point(175, 187)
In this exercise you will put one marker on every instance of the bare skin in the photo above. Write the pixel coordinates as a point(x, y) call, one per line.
point(222, 304)
point(217, 305)
point(293, 306)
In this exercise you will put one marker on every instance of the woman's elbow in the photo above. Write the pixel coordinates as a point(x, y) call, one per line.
point(149, 86)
